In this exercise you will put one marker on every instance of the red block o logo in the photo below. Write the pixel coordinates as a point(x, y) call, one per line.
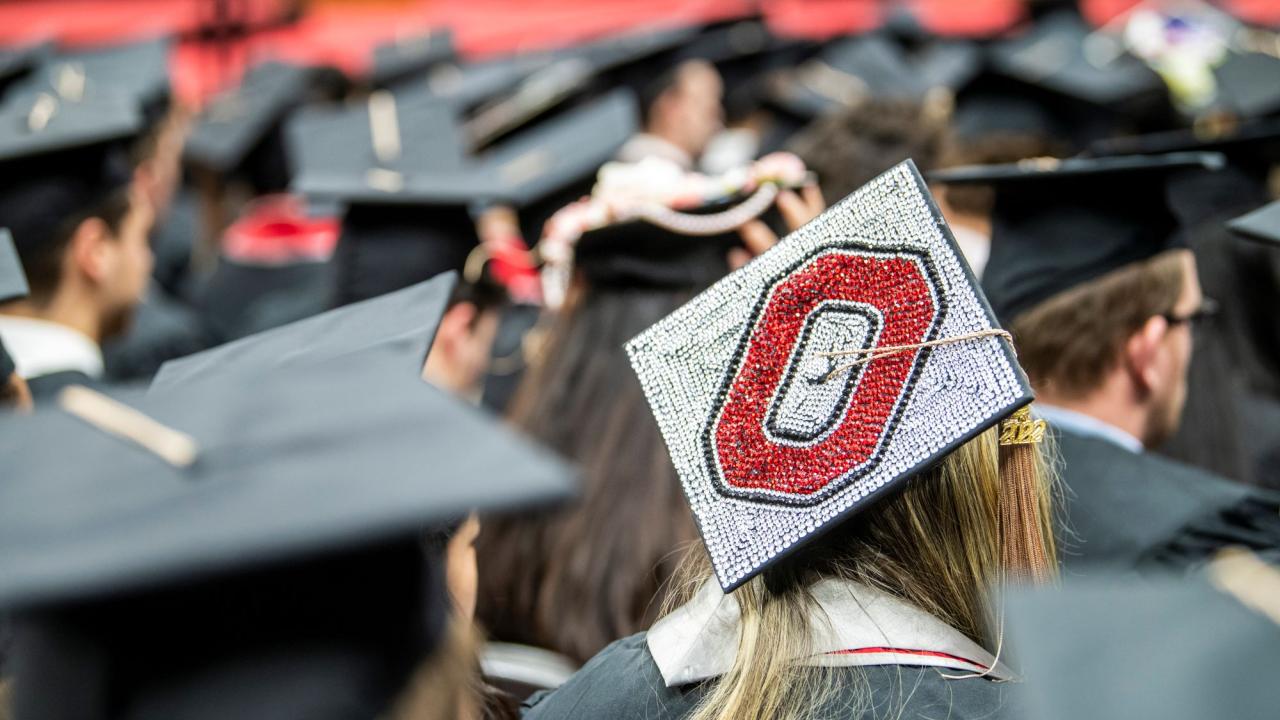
point(789, 428)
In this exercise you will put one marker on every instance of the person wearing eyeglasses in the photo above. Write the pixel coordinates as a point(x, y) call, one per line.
point(1090, 274)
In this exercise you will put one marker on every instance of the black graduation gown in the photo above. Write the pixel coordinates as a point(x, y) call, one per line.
point(1126, 510)
point(624, 682)
point(45, 388)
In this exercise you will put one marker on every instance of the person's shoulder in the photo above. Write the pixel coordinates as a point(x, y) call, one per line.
point(621, 681)
point(1087, 461)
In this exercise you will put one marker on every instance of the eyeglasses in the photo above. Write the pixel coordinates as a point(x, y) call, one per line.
point(1208, 309)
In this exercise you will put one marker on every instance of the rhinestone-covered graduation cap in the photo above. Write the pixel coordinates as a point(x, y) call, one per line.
point(776, 428)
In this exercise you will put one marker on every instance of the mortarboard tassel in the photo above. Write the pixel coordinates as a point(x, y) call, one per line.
point(1024, 548)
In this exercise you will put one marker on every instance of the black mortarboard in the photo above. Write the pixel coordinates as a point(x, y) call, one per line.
point(135, 72)
point(404, 322)
point(1059, 223)
point(240, 131)
point(390, 132)
point(285, 556)
point(1055, 54)
point(1173, 649)
point(1093, 85)
point(17, 61)
point(1252, 145)
point(405, 226)
point(406, 57)
point(60, 159)
point(1247, 84)
point(851, 69)
point(466, 84)
point(1262, 224)
point(13, 282)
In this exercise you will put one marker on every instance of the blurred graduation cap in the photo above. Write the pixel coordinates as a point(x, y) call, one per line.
point(135, 72)
point(852, 69)
point(410, 56)
point(213, 553)
point(1262, 225)
point(62, 158)
point(1253, 146)
point(407, 223)
point(17, 61)
point(1087, 77)
point(1246, 84)
point(398, 134)
point(1166, 648)
point(1059, 223)
point(404, 322)
point(239, 133)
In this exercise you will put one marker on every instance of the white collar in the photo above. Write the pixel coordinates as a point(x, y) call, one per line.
point(1087, 425)
point(853, 625)
point(40, 347)
point(645, 145)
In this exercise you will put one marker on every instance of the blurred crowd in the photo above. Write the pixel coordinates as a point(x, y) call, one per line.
point(712, 360)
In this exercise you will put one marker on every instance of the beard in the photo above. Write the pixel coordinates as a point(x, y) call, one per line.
point(1166, 416)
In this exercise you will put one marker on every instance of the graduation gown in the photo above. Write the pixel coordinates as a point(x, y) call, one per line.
point(1127, 510)
point(876, 648)
point(45, 388)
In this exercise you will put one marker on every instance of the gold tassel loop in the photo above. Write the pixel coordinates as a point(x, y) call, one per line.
point(1025, 550)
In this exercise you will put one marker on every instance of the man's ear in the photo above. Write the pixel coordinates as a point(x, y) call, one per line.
point(88, 251)
point(1141, 353)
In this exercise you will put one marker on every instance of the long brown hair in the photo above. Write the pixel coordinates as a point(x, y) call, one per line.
point(937, 544)
point(576, 580)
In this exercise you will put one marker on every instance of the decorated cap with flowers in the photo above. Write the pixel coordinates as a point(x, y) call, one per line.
point(643, 221)
point(801, 388)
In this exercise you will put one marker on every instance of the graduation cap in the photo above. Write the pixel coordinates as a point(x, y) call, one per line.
point(1059, 223)
point(15, 62)
point(1059, 53)
point(776, 431)
point(1246, 84)
point(850, 70)
point(208, 553)
point(1262, 225)
point(63, 159)
point(410, 56)
point(134, 72)
point(1253, 146)
point(239, 131)
point(404, 322)
point(1092, 85)
point(391, 133)
point(402, 226)
point(1169, 648)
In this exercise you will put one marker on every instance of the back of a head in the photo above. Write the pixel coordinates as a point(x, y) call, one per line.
point(1069, 342)
point(850, 147)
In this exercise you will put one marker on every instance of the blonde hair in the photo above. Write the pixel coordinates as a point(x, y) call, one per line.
point(938, 544)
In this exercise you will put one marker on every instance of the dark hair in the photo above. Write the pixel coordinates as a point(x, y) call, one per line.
point(849, 148)
point(43, 259)
point(576, 580)
point(1069, 342)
